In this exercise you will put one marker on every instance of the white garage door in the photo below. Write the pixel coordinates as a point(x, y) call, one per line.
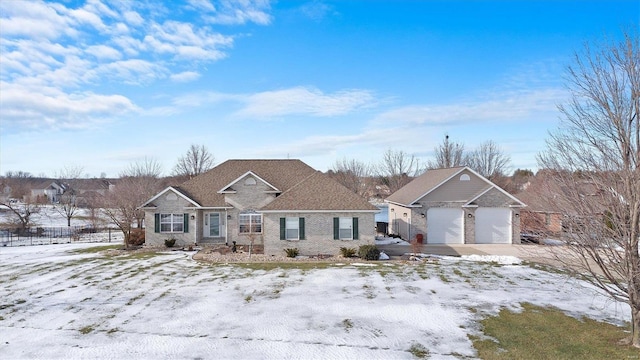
point(445, 226)
point(493, 226)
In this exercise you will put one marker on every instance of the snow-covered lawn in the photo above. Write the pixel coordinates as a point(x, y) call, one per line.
point(55, 303)
point(49, 216)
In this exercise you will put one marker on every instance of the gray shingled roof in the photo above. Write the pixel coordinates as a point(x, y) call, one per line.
point(319, 192)
point(301, 186)
point(421, 185)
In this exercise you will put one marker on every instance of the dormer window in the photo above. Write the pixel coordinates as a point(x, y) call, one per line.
point(465, 177)
point(249, 181)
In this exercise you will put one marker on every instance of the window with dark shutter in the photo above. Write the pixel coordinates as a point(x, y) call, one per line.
point(283, 228)
point(355, 228)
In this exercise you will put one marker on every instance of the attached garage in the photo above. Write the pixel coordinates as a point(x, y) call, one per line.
point(445, 226)
point(493, 226)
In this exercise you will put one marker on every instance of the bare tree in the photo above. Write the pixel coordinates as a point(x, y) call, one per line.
point(22, 212)
point(149, 168)
point(196, 161)
point(136, 185)
point(448, 154)
point(18, 184)
point(353, 174)
point(67, 205)
point(144, 176)
point(489, 160)
point(397, 169)
point(594, 158)
point(121, 205)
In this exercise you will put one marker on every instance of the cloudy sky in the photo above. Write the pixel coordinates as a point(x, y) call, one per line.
point(101, 84)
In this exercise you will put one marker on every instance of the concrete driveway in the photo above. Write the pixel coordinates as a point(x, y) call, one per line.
point(555, 256)
point(535, 253)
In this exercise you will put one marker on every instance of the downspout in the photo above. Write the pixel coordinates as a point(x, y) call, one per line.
point(226, 227)
point(409, 225)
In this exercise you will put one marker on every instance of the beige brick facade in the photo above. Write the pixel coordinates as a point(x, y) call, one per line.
point(227, 198)
point(318, 233)
point(170, 203)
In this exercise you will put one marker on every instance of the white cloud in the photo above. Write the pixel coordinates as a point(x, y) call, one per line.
point(133, 71)
point(304, 101)
point(34, 20)
point(133, 18)
point(183, 41)
point(83, 16)
point(500, 107)
point(62, 47)
point(204, 5)
point(301, 101)
point(51, 108)
point(185, 76)
point(231, 12)
point(103, 52)
point(316, 10)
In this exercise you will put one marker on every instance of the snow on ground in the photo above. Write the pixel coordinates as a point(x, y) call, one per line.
point(57, 304)
point(390, 241)
point(50, 216)
point(499, 259)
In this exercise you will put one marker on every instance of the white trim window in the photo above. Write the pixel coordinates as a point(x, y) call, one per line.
point(346, 228)
point(292, 228)
point(250, 223)
point(171, 223)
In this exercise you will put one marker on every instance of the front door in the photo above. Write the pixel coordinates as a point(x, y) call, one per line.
point(212, 224)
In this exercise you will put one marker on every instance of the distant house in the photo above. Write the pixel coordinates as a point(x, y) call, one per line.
point(275, 203)
point(87, 190)
point(550, 210)
point(455, 206)
point(46, 190)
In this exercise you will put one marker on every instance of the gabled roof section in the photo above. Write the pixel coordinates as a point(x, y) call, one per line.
point(319, 192)
point(177, 191)
point(517, 202)
point(423, 185)
point(226, 187)
point(280, 174)
point(433, 179)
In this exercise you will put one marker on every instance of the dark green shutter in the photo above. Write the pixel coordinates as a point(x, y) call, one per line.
point(355, 228)
point(156, 224)
point(283, 228)
point(186, 223)
point(301, 228)
point(336, 228)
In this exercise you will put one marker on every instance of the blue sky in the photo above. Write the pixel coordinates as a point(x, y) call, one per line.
point(101, 84)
